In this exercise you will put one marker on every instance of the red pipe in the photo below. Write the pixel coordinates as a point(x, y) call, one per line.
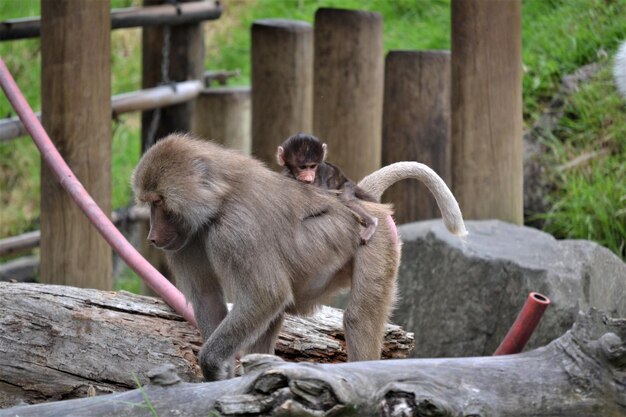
point(524, 325)
point(72, 185)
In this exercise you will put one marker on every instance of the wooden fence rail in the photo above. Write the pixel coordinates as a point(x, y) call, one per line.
point(141, 100)
point(166, 14)
point(30, 240)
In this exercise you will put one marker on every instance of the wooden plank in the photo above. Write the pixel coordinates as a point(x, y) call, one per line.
point(76, 108)
point(23, 269)
point(12, 128)
point(487, 171)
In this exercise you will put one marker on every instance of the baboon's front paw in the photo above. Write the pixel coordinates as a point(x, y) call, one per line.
point(214, 370)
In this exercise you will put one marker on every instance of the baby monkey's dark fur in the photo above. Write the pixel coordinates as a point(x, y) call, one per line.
point(303, 157)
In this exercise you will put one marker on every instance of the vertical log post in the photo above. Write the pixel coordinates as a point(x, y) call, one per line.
point(282, 83)
point(348, 88)
point(185, 59)
point(76, 108)
point(487, 173)
point(416, 126)
point(223, 115)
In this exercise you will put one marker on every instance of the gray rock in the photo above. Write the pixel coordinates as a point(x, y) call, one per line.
point(460, 297)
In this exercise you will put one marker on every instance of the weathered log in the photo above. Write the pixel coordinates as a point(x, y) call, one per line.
point(580, 374)
point(60, 342)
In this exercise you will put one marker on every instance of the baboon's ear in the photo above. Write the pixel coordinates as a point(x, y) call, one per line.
point(280, 152)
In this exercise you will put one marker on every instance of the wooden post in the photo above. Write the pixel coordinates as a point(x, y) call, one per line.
point(223, 115)
point(416, 126)
point(185, 58)
point(282, 83)
point(348, 88)
point(185, 61)
point(76, 107)
point(487, 173)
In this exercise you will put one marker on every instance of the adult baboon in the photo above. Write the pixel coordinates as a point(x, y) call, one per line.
point(232, 228)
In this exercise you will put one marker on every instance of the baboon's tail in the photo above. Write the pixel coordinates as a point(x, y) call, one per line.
point(378, 181)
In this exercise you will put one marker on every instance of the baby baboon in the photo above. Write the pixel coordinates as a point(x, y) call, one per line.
point(304, 158)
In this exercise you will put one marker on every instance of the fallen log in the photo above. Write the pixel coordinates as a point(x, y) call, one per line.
point(583, 373)
point(59, 342)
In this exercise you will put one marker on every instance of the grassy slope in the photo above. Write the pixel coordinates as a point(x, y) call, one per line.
point(589, 200)
point(558, 37)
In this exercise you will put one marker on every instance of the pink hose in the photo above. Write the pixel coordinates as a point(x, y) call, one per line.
point(524, 325)
point(66, 177)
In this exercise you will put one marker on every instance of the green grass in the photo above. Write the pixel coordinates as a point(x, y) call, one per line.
point(589, 200)
point(408, 24)
point(558, 37)
point(128, 281)
point(592, 206)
